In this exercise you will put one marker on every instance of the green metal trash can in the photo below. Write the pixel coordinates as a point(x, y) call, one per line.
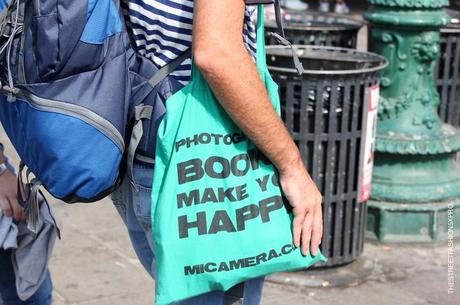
point(448, 71)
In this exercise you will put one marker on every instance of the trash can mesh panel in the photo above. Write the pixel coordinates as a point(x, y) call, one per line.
point(324, 112)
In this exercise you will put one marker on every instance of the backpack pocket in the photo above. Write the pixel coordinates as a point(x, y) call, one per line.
point(66, 37)
point(54, 30)
point(74, 152)
point(46, 32)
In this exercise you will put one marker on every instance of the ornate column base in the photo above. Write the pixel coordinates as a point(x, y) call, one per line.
point(415, 178)
point(404, 222)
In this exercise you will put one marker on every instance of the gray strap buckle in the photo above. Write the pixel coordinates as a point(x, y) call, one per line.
point(142, 112)
point(30, 197)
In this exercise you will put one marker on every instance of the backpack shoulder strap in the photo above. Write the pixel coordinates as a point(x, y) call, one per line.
point(144, 112)
point(169, 68)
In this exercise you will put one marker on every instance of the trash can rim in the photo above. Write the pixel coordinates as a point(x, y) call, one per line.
point(312, 27)
point(454, 26)
point(350, 24)
point(383, 62)
point(451, 29)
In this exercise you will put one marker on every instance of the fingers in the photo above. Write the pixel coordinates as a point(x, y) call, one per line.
point(308, 229)
point(8, 197)
point(297, 227)
point(6, 207)
point(306, 232)
point(18, 213)
point(11, 208)
point(317, 231)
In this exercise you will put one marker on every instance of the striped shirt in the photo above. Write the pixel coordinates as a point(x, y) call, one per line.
point(162, 30)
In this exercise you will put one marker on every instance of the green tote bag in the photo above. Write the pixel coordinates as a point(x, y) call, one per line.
point(218, 214)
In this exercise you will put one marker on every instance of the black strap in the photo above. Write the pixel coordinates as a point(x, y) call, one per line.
point(281, 38)
point(279, 21)
point(255, 2)
point(235, 295)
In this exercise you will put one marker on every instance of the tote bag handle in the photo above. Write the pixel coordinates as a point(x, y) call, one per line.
point(261, 53)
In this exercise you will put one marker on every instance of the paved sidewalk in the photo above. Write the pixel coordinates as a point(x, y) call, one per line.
point(94, 264)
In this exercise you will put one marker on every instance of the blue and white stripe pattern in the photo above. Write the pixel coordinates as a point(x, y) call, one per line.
point(162, 30)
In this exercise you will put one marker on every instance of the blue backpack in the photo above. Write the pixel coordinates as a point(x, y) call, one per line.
point(75, 99)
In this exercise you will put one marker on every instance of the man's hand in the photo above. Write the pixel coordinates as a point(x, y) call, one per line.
point(8, 197)
point(305, 199)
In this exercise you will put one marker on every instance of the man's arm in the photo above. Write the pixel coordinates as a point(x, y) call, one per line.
point(220, 54)
point(8, 194)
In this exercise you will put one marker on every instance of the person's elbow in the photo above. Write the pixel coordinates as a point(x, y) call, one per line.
point(213, 59)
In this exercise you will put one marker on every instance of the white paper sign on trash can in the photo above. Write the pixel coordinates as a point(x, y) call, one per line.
point(367, 162)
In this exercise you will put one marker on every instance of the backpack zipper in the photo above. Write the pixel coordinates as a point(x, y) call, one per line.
point(82, 113)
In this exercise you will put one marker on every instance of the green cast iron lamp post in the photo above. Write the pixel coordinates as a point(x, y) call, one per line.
point(416, 181)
